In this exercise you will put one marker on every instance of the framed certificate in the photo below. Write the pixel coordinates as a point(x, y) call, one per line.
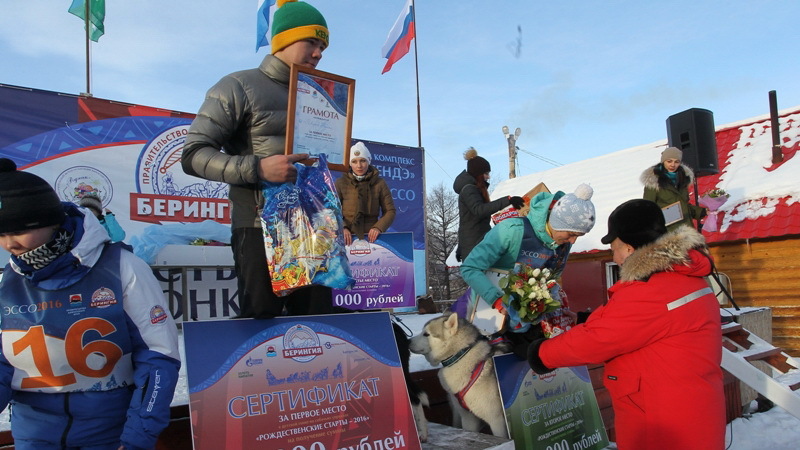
point(320, 115)
point(672, 213)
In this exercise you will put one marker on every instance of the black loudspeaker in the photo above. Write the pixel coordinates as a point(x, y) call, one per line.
point(693, 132)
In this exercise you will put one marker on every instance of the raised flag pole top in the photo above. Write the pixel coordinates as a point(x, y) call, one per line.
point(86, 16)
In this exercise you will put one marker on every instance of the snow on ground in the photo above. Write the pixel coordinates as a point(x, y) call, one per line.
point(774, 429)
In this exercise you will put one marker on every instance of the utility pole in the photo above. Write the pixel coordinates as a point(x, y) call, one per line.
point(512, 150)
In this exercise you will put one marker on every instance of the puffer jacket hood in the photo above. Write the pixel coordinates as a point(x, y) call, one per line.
point(539, 213)
point(675, 251)
point(462, 180)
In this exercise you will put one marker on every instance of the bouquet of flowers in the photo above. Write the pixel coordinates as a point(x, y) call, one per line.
point(527, 293)
point(713, 200)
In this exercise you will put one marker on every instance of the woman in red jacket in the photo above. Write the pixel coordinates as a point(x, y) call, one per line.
point(659, 336)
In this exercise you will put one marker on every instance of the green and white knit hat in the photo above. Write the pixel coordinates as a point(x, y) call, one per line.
point(295, 21)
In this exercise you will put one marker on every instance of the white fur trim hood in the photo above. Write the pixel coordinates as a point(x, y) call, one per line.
point(650, 180)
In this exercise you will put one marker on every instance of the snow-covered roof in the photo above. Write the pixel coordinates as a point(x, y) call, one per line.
point(763, 197)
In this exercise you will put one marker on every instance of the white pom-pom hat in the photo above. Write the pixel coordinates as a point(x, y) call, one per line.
point(574, 212)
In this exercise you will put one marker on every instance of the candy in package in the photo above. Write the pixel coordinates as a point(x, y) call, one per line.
point(302, 224)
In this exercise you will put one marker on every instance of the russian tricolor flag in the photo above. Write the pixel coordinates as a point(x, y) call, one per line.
point(399, 40)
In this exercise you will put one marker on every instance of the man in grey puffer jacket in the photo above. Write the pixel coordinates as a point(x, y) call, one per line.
point(238, 137)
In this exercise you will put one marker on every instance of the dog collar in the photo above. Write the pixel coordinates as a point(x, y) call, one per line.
point(454, 359)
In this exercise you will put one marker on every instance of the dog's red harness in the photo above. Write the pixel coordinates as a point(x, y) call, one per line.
point(472, 379)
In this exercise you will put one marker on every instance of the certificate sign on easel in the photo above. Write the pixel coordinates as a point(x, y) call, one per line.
point(557, 410)
point(320, 115)
point(302, 382)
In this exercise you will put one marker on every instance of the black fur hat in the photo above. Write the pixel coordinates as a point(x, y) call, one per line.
point(636, 222)
point(27, 201)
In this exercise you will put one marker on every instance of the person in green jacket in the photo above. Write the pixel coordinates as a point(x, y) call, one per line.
point(667, 183)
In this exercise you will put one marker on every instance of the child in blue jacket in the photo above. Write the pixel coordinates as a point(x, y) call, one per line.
point(89, 353)
point(92, 202)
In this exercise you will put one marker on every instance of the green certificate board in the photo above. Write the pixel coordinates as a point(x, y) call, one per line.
point(554, 411)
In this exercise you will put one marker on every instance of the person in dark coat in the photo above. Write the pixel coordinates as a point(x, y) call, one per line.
point(659, 336)
point(367, 205)
point(474, 207)
point(668, 182)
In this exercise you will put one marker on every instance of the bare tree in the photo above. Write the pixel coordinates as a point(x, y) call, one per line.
point(442, 227)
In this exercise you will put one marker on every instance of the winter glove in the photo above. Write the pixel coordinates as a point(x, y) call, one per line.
point(498, 304)
point(583, 316)
point(533, 358)
point(517, 202)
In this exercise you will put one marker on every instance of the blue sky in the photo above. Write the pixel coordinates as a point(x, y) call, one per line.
point(590, 77)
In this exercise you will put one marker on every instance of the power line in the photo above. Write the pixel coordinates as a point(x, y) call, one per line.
point(547, 160)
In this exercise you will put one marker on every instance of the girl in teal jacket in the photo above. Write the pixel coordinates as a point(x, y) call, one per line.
point(541, 239)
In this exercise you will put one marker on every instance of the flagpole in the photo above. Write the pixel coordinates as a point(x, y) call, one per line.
point(419, 144)
point(416, 71)
point(88, 64)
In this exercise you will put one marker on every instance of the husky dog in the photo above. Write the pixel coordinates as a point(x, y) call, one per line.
point(416, 395)
point(467, 372)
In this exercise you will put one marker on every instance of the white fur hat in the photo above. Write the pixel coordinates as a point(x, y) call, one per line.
point(360, 151)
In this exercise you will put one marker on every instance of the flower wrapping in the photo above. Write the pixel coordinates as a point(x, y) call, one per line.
point(529, 294)
point(713, 200)
point(302, 226)
point(556, 322)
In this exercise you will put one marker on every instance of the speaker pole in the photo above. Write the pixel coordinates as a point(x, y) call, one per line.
point(696, 201)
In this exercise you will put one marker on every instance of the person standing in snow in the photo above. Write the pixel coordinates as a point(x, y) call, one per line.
point(89, 349)
point(667, 183)
point(367, 205)
point(658, 335)
point(474, 207)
